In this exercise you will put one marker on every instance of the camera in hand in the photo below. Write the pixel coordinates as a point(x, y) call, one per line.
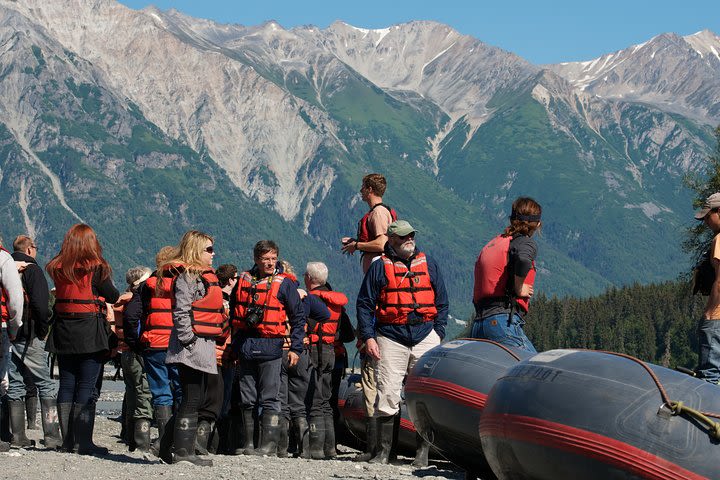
point(254, 315)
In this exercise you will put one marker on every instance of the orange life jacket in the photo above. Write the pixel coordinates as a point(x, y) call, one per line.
point(406, 291)
point(117, 324)
point(4, 312)
point(262, 294)
point(492, 277)
point(363, 233)
point(335, 302)
point(158, 320)
point(78, 299)
point(207, 314)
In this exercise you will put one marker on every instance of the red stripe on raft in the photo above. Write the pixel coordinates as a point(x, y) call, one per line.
point(582, 442)
point(440, 388)
point(407, 425)
point(353, 412)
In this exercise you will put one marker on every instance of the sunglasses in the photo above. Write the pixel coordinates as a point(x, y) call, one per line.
point(409, 235)
point(210, 249)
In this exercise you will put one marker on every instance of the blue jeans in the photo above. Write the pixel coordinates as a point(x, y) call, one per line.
point(163, 379)
point(79, 375)
point(499, 328)
point(709, 350)
point(30, 360)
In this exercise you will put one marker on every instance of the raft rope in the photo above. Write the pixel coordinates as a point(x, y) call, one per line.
point(512, 354)
point(677, 408)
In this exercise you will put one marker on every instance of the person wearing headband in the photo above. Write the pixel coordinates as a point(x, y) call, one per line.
point(504, 278)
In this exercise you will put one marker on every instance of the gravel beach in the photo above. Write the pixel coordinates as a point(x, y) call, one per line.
point(120, 464)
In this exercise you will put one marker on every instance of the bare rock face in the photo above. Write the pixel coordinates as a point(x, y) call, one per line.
point(194, 92)
point(674, 73)
point(458, 72)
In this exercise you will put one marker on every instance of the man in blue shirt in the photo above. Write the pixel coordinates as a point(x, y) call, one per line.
point(405, 292)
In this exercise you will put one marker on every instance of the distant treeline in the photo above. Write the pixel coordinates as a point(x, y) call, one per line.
point(656, 323)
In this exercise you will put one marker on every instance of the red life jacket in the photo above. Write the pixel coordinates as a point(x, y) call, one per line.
point(4, 312)
point(261, 294)
point(406, 291)
point(492, 276)
point(158, 320)
point(207, 315)
point(117, 324)
point(335, 302)
point(78, 299)
point(363, 233)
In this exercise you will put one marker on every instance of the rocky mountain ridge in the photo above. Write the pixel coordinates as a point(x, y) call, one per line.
point(101, 100)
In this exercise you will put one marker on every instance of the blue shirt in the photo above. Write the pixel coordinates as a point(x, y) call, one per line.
point(407, 335)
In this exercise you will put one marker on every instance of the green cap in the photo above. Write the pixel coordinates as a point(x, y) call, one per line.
point(400, 228)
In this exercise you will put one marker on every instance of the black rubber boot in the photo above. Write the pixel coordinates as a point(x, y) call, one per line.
point(283, 438)
point(220, 437)
point(386, 427)
point(50, 425)
point(329, 445)
point(129, 437)
point(141, 435)
point(184, 434)
point(235, 434)
point(162, 415)
point(422, 453)
point(66, 414)
point(270, 434)
point(83, 430)
point(5, 434)
point(370, 441)
point(317, 437)
point(17, 424)
point(302, 436)
point(248, 427)
point(165, 443)
point(31, 407)
point(203, 436)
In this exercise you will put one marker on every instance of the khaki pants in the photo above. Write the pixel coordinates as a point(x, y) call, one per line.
point(367, 381)
point(395, 361)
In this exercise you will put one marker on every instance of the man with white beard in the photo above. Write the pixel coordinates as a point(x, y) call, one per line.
point(406, 293)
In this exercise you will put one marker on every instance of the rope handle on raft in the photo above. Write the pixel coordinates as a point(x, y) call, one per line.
point(512, 354)
point(677, 408)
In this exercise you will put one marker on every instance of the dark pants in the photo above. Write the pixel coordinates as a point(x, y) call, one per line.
point(323, 361)
point(259, 384)
point(294, 382)
point(338, 373)
point(79, 376)
point(194, 384)
point(210, 409)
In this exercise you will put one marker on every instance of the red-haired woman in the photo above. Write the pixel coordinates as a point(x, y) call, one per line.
point(80, 333)
point(504, 278)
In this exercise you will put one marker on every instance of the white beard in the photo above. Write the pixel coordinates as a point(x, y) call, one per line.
point(407, 249)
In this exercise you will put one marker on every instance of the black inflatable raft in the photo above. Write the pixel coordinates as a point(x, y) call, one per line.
point(577, 414)
point(352, 413)
point(446, 392)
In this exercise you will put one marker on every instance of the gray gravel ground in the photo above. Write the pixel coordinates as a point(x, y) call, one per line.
point(120, 464)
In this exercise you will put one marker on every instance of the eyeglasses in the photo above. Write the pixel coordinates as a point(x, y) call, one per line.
point(33, 246)
point(210, 249)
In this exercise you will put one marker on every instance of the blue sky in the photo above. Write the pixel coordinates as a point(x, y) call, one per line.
point(540, 31)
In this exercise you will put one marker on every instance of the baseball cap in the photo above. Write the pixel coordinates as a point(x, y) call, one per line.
point(402, 227)
point(713, 201)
